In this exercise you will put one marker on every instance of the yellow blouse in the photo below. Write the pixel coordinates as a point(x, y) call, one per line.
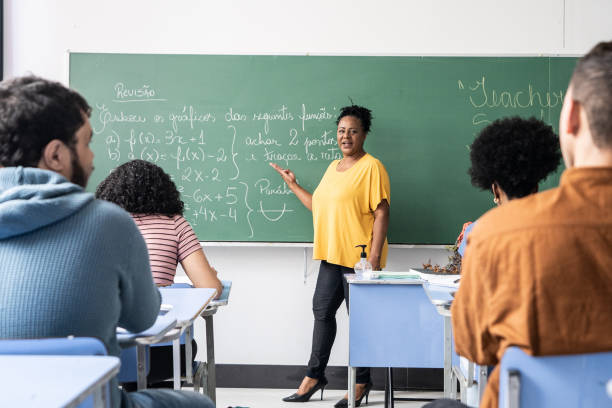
point(343, 210)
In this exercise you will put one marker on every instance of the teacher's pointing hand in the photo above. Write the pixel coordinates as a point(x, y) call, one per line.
point(286, 174)
point(304, 196)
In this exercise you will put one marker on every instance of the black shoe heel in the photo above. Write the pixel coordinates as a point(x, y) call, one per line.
point(366, 394)
point(343, 403)
point(305, 397)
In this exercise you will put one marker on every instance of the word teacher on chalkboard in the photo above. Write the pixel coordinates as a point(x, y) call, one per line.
point(350, 207)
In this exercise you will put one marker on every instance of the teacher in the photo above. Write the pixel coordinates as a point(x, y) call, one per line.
point(349, 207)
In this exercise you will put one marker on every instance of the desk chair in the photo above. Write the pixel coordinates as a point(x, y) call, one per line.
point(472, 380)
point(577, 380)
point(129, 364)
point(205, 375)
point(64, 346)
point(195, 373)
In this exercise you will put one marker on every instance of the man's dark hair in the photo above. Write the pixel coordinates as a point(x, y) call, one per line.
point(141, 187)
point(363, 114)
point(591, 85)
point(516, 153)
point(33, 112)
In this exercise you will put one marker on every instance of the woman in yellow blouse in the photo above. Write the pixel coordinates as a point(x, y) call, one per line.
point(349, 207)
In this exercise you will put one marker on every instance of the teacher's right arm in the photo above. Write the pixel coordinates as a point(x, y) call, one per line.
point(304, 196)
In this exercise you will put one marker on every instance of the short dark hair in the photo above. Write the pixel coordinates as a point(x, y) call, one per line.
point(591, 85)
point(141, 187)
point(363, 114)
point(33, 112)
point(515, 153)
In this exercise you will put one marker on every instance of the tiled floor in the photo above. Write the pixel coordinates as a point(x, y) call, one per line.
point(272, 398)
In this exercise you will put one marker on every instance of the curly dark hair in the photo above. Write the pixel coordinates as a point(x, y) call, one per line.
point(363, 114)
point(515, 153)
point(141, 187)
point(33, 112)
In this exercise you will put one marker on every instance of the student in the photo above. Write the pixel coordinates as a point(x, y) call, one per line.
point(71, 265)
point(510, 157)
point(537, 271)
point(146, 191)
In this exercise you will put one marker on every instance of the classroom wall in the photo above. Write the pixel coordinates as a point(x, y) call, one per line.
point(269, 320)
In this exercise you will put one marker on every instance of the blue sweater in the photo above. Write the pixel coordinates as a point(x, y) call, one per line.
point(69, 264)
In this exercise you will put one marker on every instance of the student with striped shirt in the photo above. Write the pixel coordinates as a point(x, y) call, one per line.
point(152, 199)
point(145, 191)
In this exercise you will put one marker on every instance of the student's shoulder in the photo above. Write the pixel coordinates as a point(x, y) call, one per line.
point(516, 216)
point(106, 213)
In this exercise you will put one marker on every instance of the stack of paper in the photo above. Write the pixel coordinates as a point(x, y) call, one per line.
point(437, 279)
point(398, 275)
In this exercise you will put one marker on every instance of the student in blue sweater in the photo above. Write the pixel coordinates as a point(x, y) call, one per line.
point(70, 264)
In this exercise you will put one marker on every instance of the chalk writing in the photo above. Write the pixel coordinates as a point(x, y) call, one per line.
point(320, 115)
point(105, 117)
point(142, 94)
point(485, 98)
point(280, 114)
point(205, 159)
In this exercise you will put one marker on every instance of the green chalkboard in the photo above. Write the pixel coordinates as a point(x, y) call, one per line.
point(215, 121)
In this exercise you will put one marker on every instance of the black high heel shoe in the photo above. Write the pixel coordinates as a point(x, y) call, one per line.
point(320, 385)
point(343, 403)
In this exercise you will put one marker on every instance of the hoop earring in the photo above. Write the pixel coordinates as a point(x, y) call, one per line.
point(496, 200)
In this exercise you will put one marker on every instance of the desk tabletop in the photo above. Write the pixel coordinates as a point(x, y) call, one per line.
point(187, 303)
point(354, 279)
point(224, 298)
point(152, 335)
point(52, 381)
point(441, 297)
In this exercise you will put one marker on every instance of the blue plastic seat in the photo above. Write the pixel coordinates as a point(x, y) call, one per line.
point(63, 346)
point(576, 380)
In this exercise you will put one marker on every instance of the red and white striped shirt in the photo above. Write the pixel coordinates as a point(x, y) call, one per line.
point(169, 241)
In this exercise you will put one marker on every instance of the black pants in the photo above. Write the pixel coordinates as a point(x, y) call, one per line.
point(329, 293)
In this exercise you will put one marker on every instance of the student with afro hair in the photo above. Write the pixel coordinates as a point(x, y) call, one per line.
point(511, 156)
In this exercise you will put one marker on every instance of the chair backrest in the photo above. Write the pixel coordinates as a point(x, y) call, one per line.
point(65, 346)
point(576, 380)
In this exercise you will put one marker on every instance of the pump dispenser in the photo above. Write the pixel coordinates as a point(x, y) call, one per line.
point(363, 268)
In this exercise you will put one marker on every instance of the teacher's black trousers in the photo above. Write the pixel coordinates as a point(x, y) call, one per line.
point(329, 293)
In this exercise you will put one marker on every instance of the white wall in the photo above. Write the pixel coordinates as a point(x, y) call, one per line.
point(269, 320)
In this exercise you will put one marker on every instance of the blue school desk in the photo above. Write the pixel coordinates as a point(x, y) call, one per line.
point(207, 314)
point(472, 377)
point(186, 305)
point(441, 298)
point(157, 333)
point(392, 324)
point(55, 381)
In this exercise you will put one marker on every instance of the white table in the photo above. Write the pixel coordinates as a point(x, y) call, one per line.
point(55, 381)
point(187, 304)
point(154, 334)
point(442, 298)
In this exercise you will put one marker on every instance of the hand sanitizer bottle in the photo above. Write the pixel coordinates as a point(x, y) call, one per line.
point(363, 268)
